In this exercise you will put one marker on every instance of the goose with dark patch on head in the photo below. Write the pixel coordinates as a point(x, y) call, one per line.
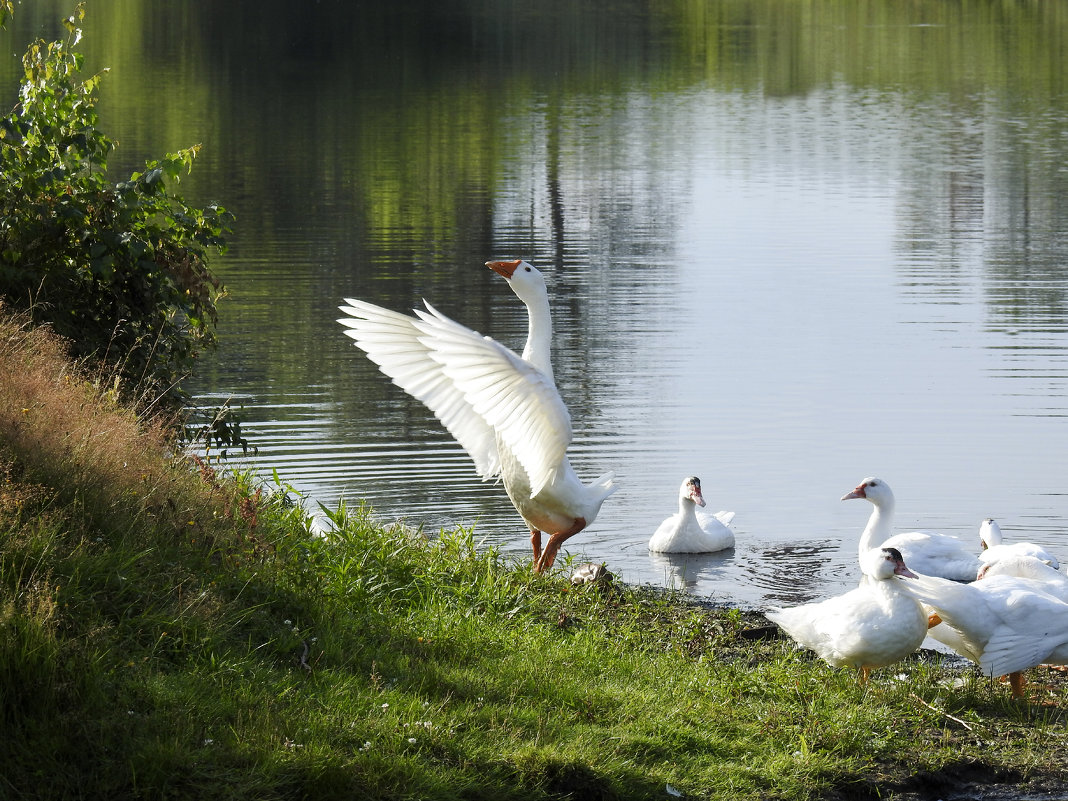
point(688, 532)
point(876, 624)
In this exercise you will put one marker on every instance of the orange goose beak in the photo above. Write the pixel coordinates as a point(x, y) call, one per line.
point(505, 268)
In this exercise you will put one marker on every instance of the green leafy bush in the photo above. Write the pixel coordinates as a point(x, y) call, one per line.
point(119, 269)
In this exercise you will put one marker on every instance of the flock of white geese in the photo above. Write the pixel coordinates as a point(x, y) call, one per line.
point(1005, 609)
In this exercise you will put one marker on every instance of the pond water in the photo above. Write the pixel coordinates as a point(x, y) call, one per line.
point(789, 246)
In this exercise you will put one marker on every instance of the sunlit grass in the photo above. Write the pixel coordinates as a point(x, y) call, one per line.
point(167, 633)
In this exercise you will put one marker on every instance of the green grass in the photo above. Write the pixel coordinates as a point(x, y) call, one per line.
point(169, 633)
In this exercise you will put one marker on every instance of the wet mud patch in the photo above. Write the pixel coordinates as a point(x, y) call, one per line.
point(974, 781)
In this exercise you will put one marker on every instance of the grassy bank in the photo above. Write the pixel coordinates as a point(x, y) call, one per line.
point(165, 633)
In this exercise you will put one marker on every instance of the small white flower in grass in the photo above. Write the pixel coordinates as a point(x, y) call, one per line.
point(208, 741)
point(288, 622)
point(366, 746)
point(411, 741)
point(385, 706)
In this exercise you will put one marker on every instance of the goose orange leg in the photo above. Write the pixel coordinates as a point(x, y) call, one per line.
point(1016, 682)
point(552, 547)
point(535, 541)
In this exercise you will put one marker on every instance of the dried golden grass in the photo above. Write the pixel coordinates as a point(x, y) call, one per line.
point(62, 430)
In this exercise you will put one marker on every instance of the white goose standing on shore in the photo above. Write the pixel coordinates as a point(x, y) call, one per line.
point(1003, 623)
point(1031, 572)
point(503, 409)
point(876, 624)
point(926, 553)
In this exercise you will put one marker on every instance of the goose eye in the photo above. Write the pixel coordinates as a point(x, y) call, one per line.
point(528, 269)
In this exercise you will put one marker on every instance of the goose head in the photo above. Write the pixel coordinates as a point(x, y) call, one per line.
point(989, 533)
point(882, 563)
point(873, 489)
point(524, 278)
point(691, 491)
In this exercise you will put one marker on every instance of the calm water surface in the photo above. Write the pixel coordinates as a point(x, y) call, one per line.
point(785, 253)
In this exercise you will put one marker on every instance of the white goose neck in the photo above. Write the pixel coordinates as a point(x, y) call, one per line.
point(878, 528)
point(538, 350)
point(687, 508)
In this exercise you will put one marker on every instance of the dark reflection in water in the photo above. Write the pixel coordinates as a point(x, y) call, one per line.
point(795, 574)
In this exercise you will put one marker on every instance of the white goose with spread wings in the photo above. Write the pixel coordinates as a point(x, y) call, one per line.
point(504, 409)
point(1003, 623)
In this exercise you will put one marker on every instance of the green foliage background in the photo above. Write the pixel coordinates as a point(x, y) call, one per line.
point(119, 269)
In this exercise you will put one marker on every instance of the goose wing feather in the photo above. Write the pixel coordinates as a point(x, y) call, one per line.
point(1032, 625)
point(724, 517)
point(516, 400)
point(395, 343)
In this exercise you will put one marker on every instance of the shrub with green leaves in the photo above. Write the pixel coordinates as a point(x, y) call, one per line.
point(119, 269)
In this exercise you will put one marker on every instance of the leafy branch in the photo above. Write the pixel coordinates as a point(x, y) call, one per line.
point(119, 269)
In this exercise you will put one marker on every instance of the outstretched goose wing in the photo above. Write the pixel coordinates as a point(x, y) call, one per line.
point(478, 389)
point(394, 342)
point(518, 402)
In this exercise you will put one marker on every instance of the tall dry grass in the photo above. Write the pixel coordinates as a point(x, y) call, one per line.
point(62, 429)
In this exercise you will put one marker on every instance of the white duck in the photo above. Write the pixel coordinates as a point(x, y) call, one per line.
point(994, 548)
point(1002, 623)
point(926, 553)
point(1029, 568)
point(876, 624)
point(502, 408)
point(685, 532)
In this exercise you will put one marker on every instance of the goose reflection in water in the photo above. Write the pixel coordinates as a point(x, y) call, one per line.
point(685, 571)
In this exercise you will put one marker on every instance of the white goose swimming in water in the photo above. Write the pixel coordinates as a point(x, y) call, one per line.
point(924, 552)
point(876, 624)
point(502, 408)
point(994, 547)
point(685, 532)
